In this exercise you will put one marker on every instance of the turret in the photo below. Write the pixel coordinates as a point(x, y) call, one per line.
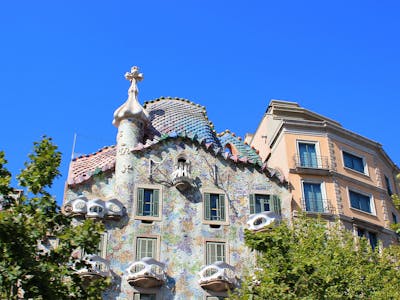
point(131, 120)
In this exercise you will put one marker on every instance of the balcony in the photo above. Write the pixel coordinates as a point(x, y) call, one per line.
point(218, 277)
point(262, 221)
point(95, 267)
point(95, 208)
point(146, 273)
point(311, 164)
point(312, 205)
point(181, 177)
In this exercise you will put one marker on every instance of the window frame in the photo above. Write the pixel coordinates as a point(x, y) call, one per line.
point(395, 219)
point(220, 241)
point(371, 201)
point(148, 236)
point(272, 205)
point(160, 201)
point(218, 192)
point(317, 153)
point(323, 194)
point(363, 160)
point(102, 248)
point(388, 185)
point(136, 295)
point(366, 233)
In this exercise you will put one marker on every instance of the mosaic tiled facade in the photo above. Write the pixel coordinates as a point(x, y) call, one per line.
point(199, 185)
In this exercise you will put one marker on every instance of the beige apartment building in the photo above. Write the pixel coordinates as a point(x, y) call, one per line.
point(330, 170)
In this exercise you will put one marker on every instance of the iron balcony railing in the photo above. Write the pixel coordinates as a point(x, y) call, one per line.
point(317, 205)
point(312, 161)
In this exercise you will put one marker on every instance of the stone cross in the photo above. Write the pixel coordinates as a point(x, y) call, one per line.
point(133, 76)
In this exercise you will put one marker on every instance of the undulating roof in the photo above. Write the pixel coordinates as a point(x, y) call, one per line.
point(172, 118)
point(179, 115)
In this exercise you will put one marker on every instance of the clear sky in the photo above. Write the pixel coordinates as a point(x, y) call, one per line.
point(62, 65)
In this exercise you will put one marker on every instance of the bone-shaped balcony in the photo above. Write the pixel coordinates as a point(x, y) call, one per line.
point(95, 208)
point(146, 273)
point(181, 177)
point(218, 277)
point(262, 221)
point(95, 267)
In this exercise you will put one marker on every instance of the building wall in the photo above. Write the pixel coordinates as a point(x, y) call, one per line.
point(181, 231)
point(286, 124)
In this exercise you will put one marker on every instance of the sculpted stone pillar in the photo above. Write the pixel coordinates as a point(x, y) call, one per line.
point(130, 119)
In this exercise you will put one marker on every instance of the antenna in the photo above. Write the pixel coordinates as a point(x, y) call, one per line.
point(73, 146)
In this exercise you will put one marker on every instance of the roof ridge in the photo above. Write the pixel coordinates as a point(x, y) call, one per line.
point(93, 153)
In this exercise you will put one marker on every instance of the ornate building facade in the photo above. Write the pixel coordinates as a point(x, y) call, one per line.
point(175, 199)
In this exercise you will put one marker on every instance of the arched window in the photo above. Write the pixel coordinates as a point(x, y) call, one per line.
point(230, 149)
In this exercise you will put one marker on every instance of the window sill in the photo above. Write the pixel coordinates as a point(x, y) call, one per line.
point(147, 218)
point(364, 212)
point(212, 222)
point(357, 172)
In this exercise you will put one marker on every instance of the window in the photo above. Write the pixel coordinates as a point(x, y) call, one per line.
point(353, 162)
point(102, 247)
point(308, 155)
point(360, 201)
point(262, 202)
point(142, 296)
point(215, 251)
point(394, 218)
point(214, 207)
point(148, 204)
point(388, 186)
point(146, 247)
point(370, 236)
point(313, 201)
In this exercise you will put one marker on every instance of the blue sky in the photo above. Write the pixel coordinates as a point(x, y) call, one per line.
point(62, 65)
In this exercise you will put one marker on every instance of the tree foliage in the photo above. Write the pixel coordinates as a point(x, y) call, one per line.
point(396, 202)
point(30, 220)
point(311, 259)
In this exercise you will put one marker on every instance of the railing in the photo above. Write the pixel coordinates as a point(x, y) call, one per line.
point(262, 220)
point(95, 266)
point(312, 161)
point(317, 205)
point(146, 267)
point(218, 271)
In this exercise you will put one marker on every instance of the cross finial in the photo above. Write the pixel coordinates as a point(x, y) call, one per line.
point(131, 108)
point(134, 74)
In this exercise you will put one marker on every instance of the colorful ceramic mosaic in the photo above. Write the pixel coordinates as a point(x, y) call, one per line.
point(186, 200)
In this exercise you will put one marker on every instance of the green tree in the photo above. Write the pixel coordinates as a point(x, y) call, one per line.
point(311, 259)
point(28, 221)
point(396, 202)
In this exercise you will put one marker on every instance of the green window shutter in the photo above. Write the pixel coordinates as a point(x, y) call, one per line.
point(140, 202)
point(221, 208)
point(276, 204)
point(156, 197)
point(101, 251)
point(252, 203)
point(139, 248)
point(207, 209)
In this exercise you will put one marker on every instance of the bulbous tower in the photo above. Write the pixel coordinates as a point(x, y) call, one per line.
point(131, 120)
